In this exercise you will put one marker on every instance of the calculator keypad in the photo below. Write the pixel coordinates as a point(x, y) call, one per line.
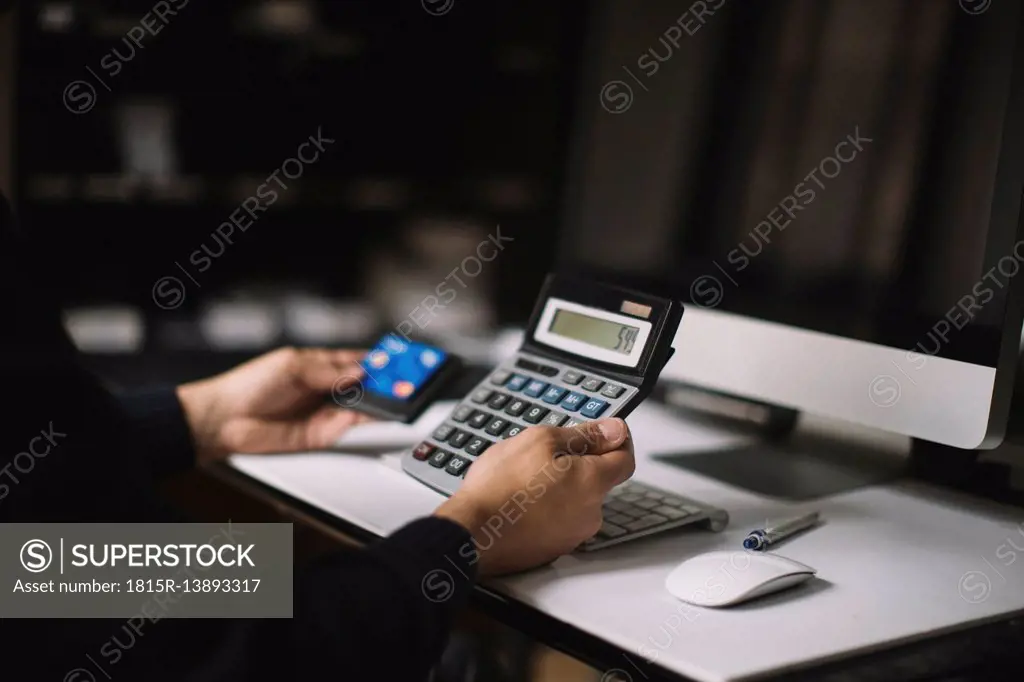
point(524, 392)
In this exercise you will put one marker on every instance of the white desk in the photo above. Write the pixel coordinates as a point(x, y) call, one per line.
point(895, 563)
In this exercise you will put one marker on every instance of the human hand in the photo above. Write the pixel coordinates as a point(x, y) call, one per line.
point(274, 403)
point(538, 495)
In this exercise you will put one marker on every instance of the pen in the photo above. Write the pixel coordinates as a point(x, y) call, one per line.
point(758, 540)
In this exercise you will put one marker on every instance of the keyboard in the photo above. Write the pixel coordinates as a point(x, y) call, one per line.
point(527, 390)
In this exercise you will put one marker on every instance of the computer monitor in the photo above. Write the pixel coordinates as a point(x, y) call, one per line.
point(834, 187)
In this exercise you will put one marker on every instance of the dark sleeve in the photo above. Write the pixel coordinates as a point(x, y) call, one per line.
point(158, 424)
point(384, 613)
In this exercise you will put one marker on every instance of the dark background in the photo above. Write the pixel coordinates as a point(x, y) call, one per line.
point(446, 127)
point(452, 118)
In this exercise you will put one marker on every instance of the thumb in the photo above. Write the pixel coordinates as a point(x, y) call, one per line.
point(594, 438)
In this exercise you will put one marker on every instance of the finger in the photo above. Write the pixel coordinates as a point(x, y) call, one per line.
point(329, 424)
point(319, 432)
point(613, 467)
point(325, 370)
point(594, 438)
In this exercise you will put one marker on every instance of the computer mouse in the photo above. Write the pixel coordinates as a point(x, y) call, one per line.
point(728, 578)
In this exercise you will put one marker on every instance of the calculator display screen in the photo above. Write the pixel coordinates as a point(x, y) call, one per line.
point(607, 334)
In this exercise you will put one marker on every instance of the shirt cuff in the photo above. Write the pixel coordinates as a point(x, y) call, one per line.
point(156, 419)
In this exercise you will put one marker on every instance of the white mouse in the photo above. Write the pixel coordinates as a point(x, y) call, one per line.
point(729, 578)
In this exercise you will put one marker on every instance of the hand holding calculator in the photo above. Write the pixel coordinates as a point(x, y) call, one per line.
point(591, 351)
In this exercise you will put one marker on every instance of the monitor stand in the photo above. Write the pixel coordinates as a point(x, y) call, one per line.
point(786, 464)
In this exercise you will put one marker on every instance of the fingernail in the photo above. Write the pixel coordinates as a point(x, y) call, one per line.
point(612, 429)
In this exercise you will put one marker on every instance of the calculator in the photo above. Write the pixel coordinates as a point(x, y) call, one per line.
point(591, 350)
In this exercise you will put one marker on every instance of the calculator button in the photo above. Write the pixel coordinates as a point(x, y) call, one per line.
point(479, 420)
point(439, 458)
point(517, 382)
point(573, 421)
point(459, 438)
point(457, 465)
point(554, 394)
point(481, 395)
point(554, 419)
point(612, 391)
point(422, 451)
point(535, 414)
point(594, 408)
point(442, 432)
point(498, 401)
point(462, 413)
point(592, 384)
point(496, 426)
point(477, 445)
point(546, 370)
point(572, 377)
point(500, 377)
point(574, 401)
point(513, 430)
point(516, 407)
point(535, 388)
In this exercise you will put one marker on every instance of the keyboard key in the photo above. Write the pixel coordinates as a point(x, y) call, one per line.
point(462, 413)
point(517, 382)
point(592, 384)
point(442, 432)
point(554, 395)
point(535, 414)
point(422, 451)
point(612, 391)
point(457, 465)
point(459, 438)
point(498, 401)
point(513, 430)
point(619, 506)
point(439, 458)
point(497, 426)
point(478, 445)
point(535, 388)
point(574, 401)
point(481, 395)
point(554, 419)
point(516, 407)
point(620, 519)
point(500, 377)
point(632, 498)
point(610, 530)
point(479, 420)
point(572, 377)
point(594, 408)
point(649, 521)
point(648, 503)
point(671, 512)
point(532, 366)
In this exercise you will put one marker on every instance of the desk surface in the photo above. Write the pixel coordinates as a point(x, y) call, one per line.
point(895, 563)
